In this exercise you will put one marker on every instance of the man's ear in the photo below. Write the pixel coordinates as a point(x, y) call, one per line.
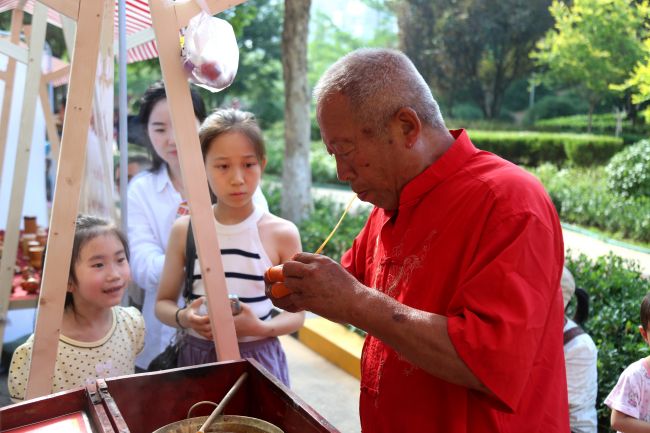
point(409, 125)
point(263, 163)
point(644, 334)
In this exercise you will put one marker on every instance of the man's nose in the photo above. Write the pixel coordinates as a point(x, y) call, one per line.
point(344, 170)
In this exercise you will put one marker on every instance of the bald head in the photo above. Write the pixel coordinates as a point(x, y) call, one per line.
point(377, 83)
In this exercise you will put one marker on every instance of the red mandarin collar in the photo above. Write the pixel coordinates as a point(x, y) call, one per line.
point(449, 163)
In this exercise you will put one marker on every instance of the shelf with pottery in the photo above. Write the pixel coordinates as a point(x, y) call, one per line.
point(26, 281)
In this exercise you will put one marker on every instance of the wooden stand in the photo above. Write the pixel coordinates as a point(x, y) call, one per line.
point(148, 401)
point(91, 17)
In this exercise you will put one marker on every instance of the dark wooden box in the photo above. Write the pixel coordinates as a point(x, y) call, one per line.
point(151, 400)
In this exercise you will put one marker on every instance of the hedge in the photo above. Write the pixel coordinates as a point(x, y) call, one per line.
point(534, 148)
point(604, 124)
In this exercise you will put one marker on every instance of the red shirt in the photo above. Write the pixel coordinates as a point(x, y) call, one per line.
point(475, 239)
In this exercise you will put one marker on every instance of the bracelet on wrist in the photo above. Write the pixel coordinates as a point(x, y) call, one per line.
point(178, 321)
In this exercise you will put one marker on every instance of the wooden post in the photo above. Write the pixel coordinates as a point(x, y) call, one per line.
point(12, 230)
point(164, 18)
point(66, 195)
point(50, 123)
point(10, 72)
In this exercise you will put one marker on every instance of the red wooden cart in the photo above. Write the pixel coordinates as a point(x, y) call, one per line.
point(142, 403)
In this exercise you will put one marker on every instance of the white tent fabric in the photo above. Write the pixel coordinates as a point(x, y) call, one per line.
point(138, 18)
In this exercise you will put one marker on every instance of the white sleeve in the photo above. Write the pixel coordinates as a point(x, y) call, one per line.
point(147, 254)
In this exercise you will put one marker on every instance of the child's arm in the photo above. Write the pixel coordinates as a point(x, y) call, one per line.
point(627, 424)
point(282, 236)
point(289, 245)
point(171, 284)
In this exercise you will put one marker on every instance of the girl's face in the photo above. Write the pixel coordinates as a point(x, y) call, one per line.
point(161, 133)
point(233, 169)
point(102, 272)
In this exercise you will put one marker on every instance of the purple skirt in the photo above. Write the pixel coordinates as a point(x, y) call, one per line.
point(268, 352)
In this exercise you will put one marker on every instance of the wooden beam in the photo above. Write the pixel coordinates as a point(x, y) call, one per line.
point(55, 75)
point(66, 196)
point(194, 179)
point(69, 8)
point(185, 11)
point(13, 51)
point(17, 198)
point(9, 76)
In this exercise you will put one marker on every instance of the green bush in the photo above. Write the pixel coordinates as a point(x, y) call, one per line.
point(468, 111)
point(581, 196)
point(323, 166)
point(324, 217)
point(321, 222)
point(554, 106)
point(616, 288)
point(533, 148)
point(628, 173)
point(592, 152)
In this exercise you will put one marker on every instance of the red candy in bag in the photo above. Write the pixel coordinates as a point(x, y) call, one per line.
point(210, 53)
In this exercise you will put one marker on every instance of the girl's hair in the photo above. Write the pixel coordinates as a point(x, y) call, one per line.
point(154, 94)
point(582, 306)
point(226, 120)
point(87, 228)
point(645, 311)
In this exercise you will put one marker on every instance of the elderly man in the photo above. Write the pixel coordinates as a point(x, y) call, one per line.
point(456, 274)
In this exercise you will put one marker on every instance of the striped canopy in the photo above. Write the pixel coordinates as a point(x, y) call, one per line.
point(138, 19)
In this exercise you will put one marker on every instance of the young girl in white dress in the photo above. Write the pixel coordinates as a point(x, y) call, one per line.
point(99, 338)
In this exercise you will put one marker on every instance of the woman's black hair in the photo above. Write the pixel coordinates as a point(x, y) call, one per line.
point(582, 306)
point(89, 227)
point(155, 93)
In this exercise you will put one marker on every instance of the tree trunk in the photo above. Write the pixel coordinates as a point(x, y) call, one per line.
point(592, 106)
point(296, 176)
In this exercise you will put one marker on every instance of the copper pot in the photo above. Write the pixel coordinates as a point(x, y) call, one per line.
point(223, 423)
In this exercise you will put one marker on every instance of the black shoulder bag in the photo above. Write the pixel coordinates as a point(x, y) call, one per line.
point(169, 357)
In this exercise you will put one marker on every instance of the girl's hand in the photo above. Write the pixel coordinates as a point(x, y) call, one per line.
point(247, 324)
point(192, 317)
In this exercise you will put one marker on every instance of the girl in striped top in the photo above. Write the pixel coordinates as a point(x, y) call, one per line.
point(250, 239)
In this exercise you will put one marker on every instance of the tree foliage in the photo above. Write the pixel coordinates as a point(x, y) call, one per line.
point(593, 45)
point(639, 81)
point(329, 42)
point(471, 49)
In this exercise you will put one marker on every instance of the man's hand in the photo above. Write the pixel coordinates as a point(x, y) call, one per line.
point(318, 284)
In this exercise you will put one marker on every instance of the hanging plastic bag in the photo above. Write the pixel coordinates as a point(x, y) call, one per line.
point(210, 54)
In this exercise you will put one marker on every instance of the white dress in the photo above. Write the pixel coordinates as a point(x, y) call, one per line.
point(78, 362)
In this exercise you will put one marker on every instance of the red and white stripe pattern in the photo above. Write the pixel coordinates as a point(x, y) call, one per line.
point(138, 18)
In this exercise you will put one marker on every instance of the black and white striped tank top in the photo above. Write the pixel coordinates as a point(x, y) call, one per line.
point(244, 262)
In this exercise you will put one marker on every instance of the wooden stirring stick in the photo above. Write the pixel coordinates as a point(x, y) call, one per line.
point(345, 212)
point(215, 413)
